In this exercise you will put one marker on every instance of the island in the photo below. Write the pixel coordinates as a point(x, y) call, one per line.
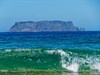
point(44, 26)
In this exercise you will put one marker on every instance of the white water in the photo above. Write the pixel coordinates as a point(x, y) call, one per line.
point(74, 62)
point(74, 67)
point(96, 67)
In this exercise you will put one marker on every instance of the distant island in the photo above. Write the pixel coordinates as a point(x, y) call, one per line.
point(44, 26)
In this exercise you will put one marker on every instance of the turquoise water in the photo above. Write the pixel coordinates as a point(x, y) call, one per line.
point(57, 51)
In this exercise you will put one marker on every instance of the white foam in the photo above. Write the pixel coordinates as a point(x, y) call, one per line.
point(50, 51)
point(62, 53)
point(64, 65)
point(73, 67)
point(96, 66)
point(21, 49)
point(7, 50)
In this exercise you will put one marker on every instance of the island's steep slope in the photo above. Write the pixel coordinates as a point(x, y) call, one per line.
point(43, 26)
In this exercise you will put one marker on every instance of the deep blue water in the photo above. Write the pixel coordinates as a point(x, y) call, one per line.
point(51, 40)
point(64, 51)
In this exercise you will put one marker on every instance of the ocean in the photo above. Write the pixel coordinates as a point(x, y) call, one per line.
point(50, 51)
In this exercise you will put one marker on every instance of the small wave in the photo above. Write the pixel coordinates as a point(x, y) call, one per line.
point(70, 60)
point(73, 67)
point(76, 62)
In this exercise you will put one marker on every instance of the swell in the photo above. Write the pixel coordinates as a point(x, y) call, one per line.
point(74, 60)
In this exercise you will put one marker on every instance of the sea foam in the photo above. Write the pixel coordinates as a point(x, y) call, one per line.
point(96, 66)
point(72, 67)
point(73, 61)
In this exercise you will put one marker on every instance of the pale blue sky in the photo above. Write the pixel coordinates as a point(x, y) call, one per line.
point(83, 13)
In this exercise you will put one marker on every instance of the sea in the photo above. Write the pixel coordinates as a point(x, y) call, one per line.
point(73, 51)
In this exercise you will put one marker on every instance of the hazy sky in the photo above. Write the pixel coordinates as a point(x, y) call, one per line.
point(83, 13)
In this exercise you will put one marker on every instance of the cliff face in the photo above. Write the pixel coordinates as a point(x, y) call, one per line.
point(43, 26)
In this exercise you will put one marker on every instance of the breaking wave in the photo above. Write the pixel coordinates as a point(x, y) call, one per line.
point(73, 62)
point(69, 60)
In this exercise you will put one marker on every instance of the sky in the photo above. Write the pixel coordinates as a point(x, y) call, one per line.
point(83, 13)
